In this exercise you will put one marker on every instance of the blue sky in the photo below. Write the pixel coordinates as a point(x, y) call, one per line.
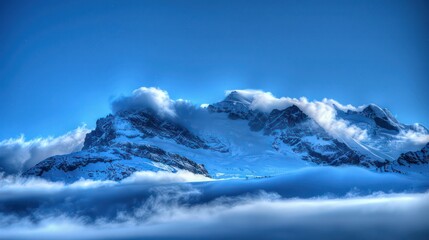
point(61, 62)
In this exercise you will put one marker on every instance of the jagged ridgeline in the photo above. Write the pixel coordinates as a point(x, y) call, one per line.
point(233, 138)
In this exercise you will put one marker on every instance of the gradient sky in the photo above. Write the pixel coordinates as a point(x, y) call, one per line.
point(61, 62)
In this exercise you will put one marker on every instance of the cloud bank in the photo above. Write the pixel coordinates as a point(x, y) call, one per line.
point(165, 177)
point(19, 154)
point(184, 212)
point(317, 202)
point(250, 217)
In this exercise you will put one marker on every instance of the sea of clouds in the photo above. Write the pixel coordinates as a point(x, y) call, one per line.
point(322, 202)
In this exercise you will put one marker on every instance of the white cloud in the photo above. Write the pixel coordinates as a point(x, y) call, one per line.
point(146, 98)
point(17, 184)
point(13, 184)
point(418, 137)
point(323, 112)
point(165, 177)
point(318, 207)
point(248, 217)
point(18, 154)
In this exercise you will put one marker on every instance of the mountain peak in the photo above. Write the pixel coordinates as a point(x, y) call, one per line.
point(237, 96)
point(294, 109)
point(236, 104)
point(288, 117)
point(374, 111)
point(382, 117)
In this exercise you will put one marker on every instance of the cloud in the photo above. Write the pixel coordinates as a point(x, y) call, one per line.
point(18, 154)
point(11, 184)
point(323, 112)
point(262, 215)
point(323, 202)
point(165, 177)
point(418, 137)
point(146, 98)
point(267, 216)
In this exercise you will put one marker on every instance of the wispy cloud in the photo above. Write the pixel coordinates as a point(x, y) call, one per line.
point(323, 112)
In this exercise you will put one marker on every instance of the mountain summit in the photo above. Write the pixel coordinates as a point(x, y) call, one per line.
point(236, 138)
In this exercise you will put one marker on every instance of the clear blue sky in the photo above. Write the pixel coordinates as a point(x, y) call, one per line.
point(61, 61)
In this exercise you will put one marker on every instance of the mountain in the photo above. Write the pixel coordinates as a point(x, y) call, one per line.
point(232, 139)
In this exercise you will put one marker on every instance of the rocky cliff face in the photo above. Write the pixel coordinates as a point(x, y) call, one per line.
point(142, 124)
point(294, 128)
point(112, 163)
point(416, 157)
point(113, 150)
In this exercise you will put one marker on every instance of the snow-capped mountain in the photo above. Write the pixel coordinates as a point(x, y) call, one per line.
point(232, 138)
